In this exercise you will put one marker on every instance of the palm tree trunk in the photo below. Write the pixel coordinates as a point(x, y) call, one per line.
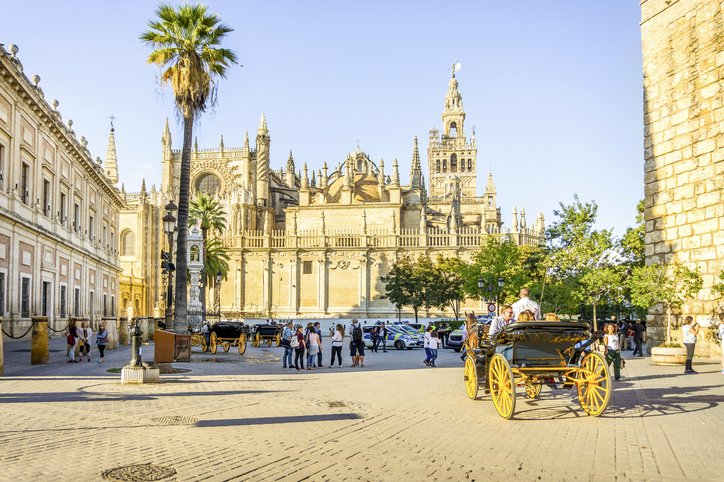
point(202, 294)
point(595, 321)
point(181, 311)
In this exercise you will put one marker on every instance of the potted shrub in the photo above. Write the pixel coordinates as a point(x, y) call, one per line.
point(671, 285)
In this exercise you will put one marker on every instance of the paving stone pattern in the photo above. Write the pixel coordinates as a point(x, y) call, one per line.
point(246, 418)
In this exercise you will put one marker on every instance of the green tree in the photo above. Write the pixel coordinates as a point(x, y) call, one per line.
point(448, 284)
point(671, 285)
point(497, 260)
point(187, 47)
point(718, 291)
point(411, 283)
point(211, 217)
point(216, 261)
point(599, 285)
point(632, 242)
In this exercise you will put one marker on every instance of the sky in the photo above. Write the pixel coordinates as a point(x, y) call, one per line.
point(553, 89)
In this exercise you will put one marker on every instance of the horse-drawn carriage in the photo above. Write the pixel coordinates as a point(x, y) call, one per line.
point(533, 354)
point(267, 333)
point(227, 334)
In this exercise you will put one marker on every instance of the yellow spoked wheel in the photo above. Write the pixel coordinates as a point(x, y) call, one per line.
point(242, 343)
point(204, 346)
point(226, 345)
point(278, 340)
point(257, 339)
point(594, 384)
point(502, 386)
point(471, 378)
point(533, 390)
point(213, 343)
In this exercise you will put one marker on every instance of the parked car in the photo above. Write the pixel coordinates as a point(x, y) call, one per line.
point(396, 336)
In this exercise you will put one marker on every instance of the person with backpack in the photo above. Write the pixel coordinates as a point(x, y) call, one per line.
point(286, 342)
point(357, 345)
point(298, 344)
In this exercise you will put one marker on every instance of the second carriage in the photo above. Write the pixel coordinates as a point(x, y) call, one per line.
point(267, 333)
point(533, 355)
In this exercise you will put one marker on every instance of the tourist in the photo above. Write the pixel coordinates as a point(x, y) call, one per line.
point(525, 315)
point(623, 335)
point(72, 339)
point(298, 345)
point(206, 332)
point(286, 342)
point(337, 340)
point(318, 331)
point(551, 317)
point(434, 346)
point(381, 337)
point(374, 335)
point(101, 340)
point(357, 345)
point(689, 329)
point(85, 340)
point(639, 337)
point(500, 322)
point(613, 349)
point(525, 303)
point(312, 344)
point(427, 345)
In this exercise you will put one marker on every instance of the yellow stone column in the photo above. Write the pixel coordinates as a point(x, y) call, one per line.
point(39, 351)
point(2, 364)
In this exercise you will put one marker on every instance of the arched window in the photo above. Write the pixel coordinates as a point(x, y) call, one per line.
point(209, 184)
point(453, 129)
point(462, 165)
point(453, 163)
point(470, 165)
point(444, 165)
point(437, 165)
point(128, 243)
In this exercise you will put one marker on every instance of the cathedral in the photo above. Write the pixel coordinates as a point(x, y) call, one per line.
point(306, 243)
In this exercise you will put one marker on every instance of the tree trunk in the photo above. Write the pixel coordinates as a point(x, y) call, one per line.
point(415, 308)
point(181, 312)
point(202, 292)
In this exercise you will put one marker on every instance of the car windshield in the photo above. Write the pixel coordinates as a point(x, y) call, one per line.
point(407, 329)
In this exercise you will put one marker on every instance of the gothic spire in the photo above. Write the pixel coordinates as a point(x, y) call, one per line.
point(290, 162)
point(395, 174)
point(262, 124)
point(111, 160)
point(416, 169)
point(246, 141)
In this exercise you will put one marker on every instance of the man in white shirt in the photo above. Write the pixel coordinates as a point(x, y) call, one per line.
point(500, 322)
point(525, 303)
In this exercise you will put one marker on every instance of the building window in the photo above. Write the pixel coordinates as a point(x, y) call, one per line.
point(25, 183)
point(2, 294)
point(470, 165)
point(46, 298)
point(113, 305)
point(63, 302)
point(46, 197)
point(76, 217)
point(127, 243)
point(76, 301)
point(105, 307)
point(306, 267)
point(437, 165)
point(453, 163)
point(62, 213)
point(444, 165)
point(453, 129)
point(2, 166)
point(24, 297)
point(91, 305)
point(104, 239)
point(91, 230)
point(208, 184)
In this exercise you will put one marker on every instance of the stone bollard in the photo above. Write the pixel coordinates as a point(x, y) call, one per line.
point(2, 365)
point(39, 350)
point(123, 338)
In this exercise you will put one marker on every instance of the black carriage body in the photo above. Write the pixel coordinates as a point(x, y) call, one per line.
point(267, 332)
point(544, 344)
point(229, 329)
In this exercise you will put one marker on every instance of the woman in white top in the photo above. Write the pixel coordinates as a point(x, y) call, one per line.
point(690, 330)
point(337, 341)
point(428, 354)
point(613, 349)
point(433, 344)
point(312, 350)
point(86, 335)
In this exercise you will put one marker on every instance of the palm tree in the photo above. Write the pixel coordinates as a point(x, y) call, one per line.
point(207, 211)
point(216, 261)
point(187, 49)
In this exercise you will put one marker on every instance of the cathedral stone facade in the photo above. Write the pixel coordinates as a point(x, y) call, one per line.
point(306, 243)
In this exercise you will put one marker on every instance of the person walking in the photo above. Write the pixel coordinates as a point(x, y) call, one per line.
point(72, 340)
point(357, 345)
point(375, 335)
point(337, 342)
point(690, 329)
point(85, 334)
point(382, 337)
point(525, 303)
point(318, 331)
point(427, 345)
point(623, 334)
point(639, 337)
point(613, 349)
point(434, 346)
point(101, 340)
point(298, 345)
point(286, 342)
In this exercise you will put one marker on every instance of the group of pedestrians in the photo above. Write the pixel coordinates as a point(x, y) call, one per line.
point(632, 336)
point(432, 343)
point(83, 339)
point(305, 344)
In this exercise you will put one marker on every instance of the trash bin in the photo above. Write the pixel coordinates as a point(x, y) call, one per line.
point(170, 346)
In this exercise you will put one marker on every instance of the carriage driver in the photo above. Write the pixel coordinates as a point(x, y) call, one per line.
point(500, 322)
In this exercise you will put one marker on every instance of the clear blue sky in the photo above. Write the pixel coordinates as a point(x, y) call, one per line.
point(553, 89)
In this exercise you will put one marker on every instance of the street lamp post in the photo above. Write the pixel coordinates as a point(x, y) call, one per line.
point(169, 226)
point(492, 291)
point(219, 277)
point(501, 283)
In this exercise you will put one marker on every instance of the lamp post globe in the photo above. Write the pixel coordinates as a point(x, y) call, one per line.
point(481, 283)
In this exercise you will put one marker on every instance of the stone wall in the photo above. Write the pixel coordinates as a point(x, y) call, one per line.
point(683, 67)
